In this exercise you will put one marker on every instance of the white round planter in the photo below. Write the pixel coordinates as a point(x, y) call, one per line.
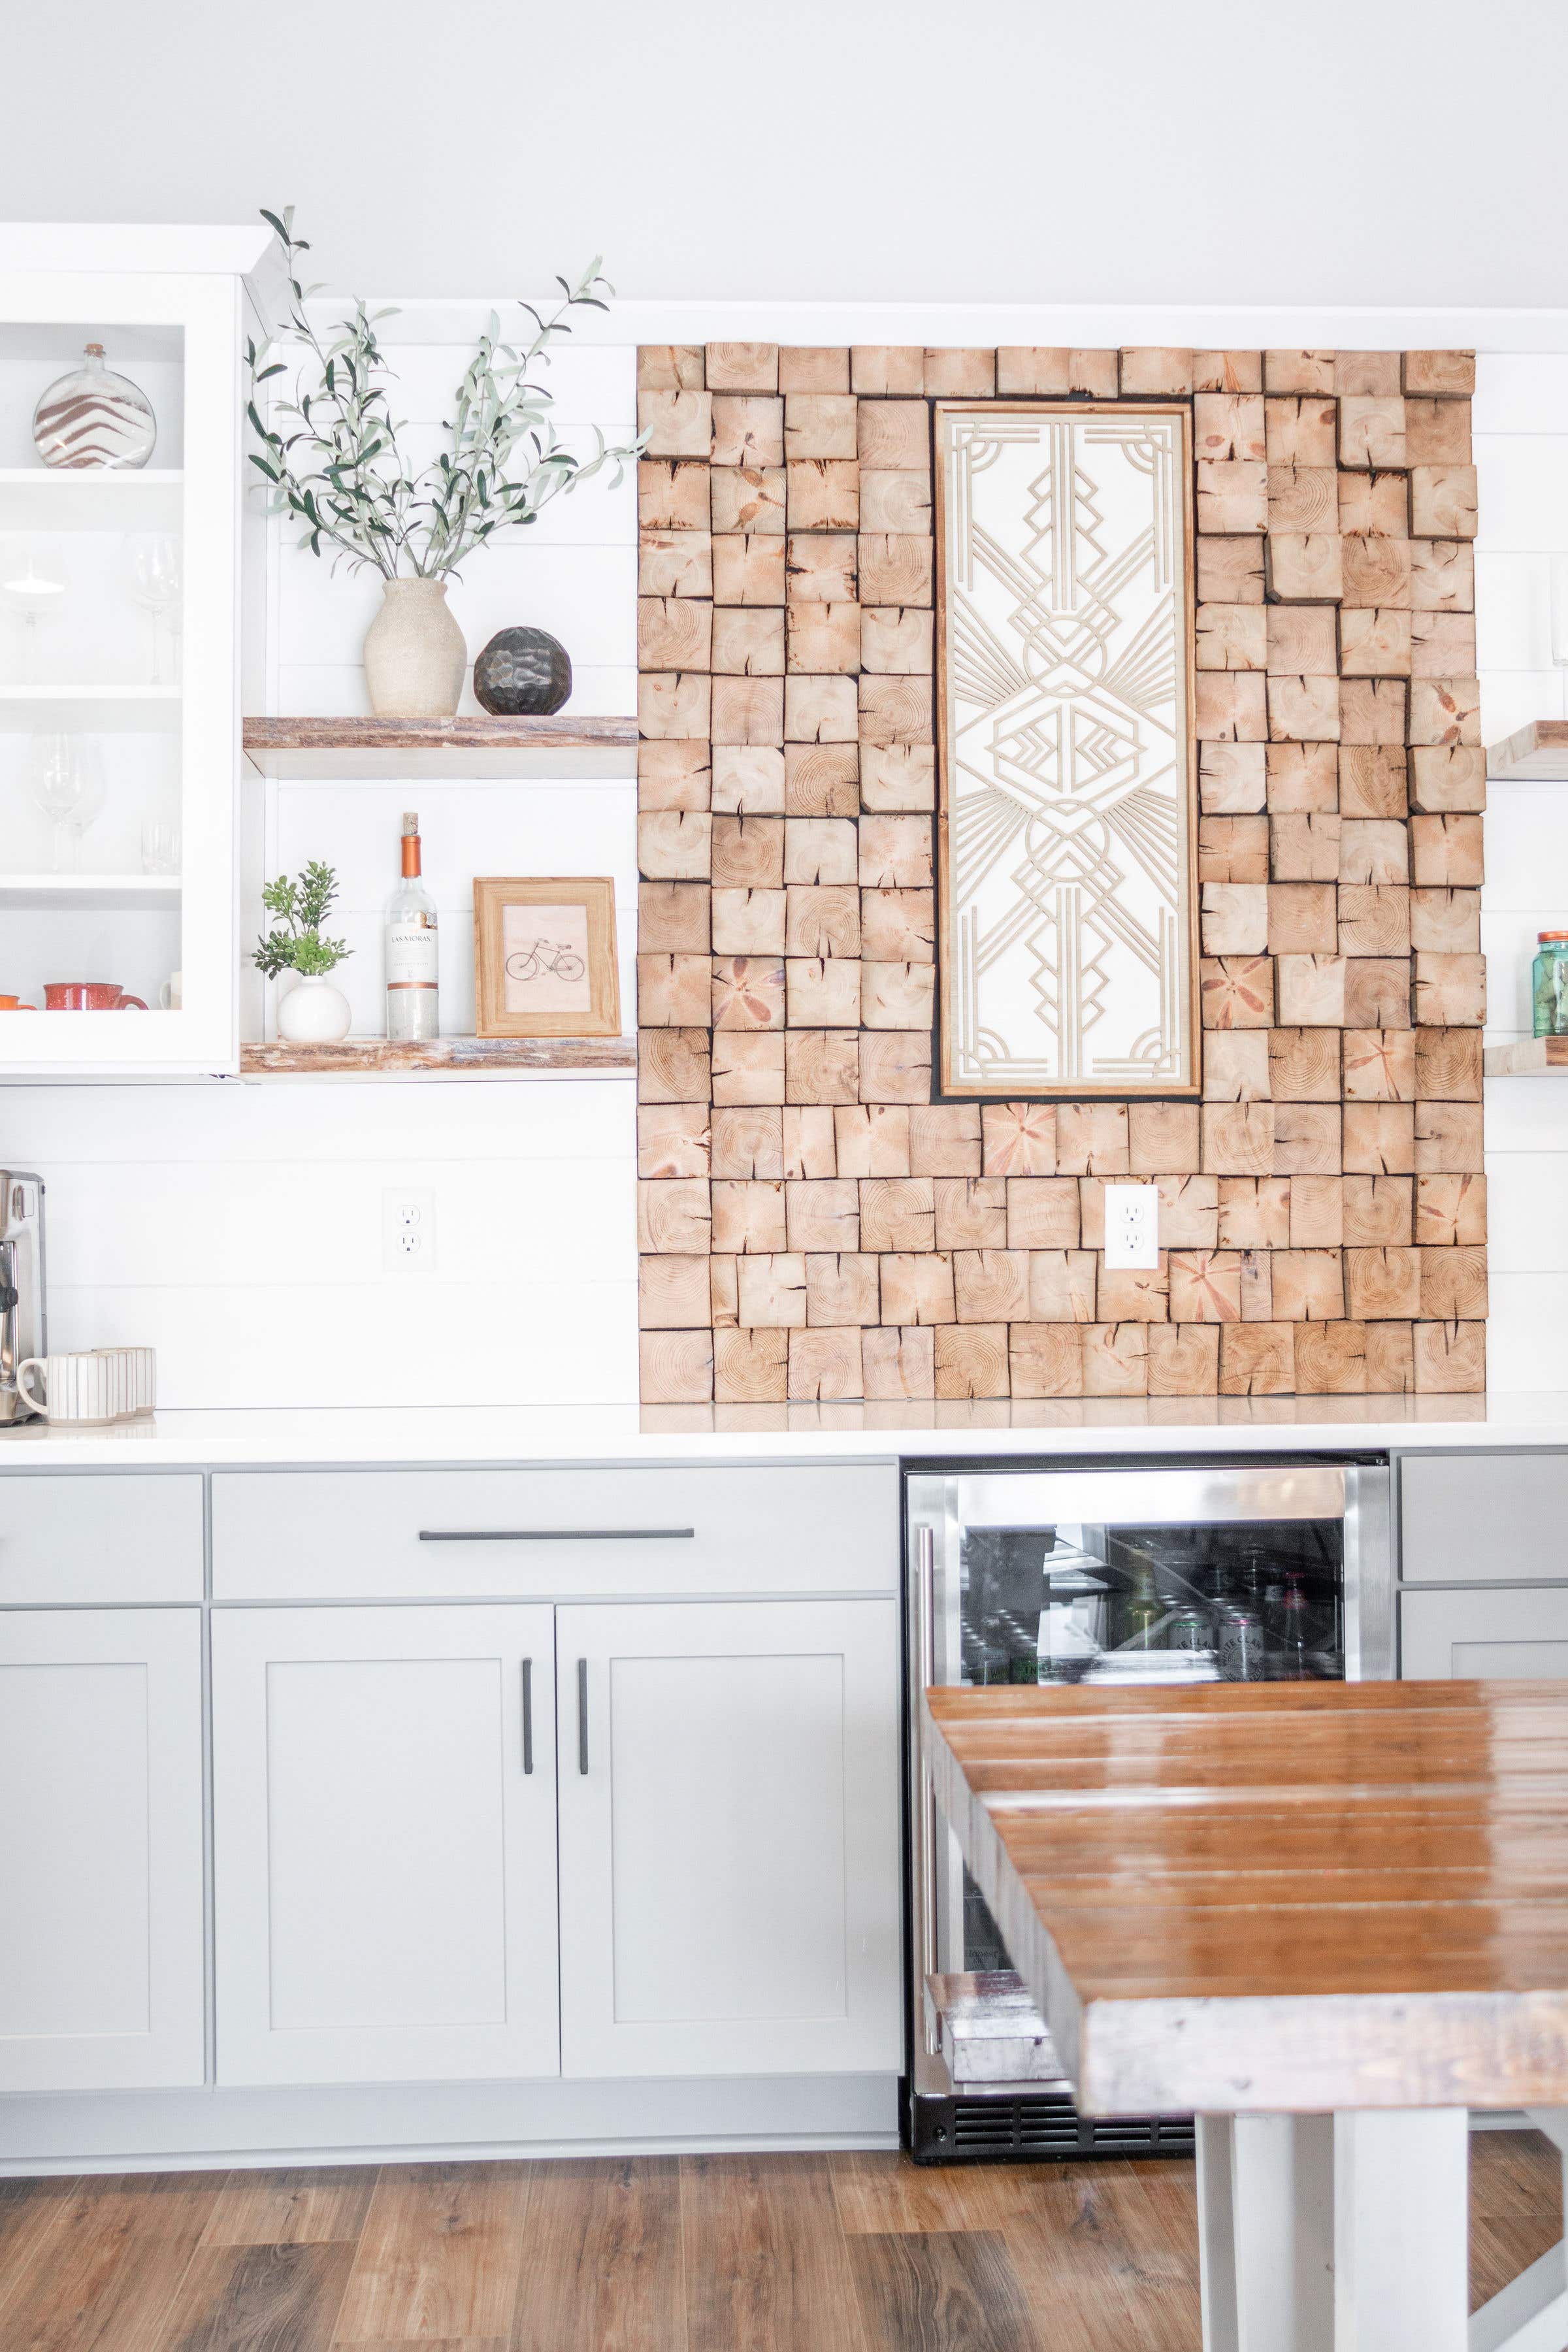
point(414, 656)
point(313, 1013)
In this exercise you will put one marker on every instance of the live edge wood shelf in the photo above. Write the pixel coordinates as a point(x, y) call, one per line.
point(482, 1057)
point(1528, 1054)
point(440, 746)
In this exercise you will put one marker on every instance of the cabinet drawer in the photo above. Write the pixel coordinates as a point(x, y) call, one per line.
point(403, 1534)
point(1483, 1636)
point(1464, 1517)
point(104, 1538)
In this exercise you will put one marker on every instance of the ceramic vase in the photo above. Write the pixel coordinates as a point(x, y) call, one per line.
point(313, 1013)
point(415, 656)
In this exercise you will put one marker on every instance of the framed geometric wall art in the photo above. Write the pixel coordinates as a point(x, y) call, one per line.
point(1067, 821)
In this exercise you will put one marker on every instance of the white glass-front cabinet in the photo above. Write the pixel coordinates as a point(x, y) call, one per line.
point(120, 706)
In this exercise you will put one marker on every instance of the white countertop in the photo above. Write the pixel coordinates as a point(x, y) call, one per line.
point(566, 1432)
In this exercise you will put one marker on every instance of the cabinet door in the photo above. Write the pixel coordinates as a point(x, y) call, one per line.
point(384, 1842)
point(1510, 1632)
point(101, 1967)
point(729, 1837)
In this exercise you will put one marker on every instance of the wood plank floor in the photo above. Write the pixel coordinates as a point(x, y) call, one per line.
point(717, 2253)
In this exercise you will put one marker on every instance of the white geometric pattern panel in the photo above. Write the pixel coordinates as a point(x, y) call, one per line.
point(1067, 889)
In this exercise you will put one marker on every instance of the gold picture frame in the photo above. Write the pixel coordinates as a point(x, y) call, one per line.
point(551, 972)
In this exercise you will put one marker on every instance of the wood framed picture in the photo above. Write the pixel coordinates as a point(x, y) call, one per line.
point(1066, 824)
point(544, 957)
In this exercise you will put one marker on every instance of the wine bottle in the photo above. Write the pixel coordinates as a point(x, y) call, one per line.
point(413, 999)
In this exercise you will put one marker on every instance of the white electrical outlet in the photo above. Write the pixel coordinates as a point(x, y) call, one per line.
point(1131, 1227)
point(408, 1230)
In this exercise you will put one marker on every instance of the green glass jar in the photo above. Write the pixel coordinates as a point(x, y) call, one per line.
point(1550, 984)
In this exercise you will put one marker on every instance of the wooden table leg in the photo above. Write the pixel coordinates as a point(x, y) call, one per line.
point(1401, 2230)
point(1266, 2232)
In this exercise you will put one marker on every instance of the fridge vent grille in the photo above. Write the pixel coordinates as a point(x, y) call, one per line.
point(1053, 2126)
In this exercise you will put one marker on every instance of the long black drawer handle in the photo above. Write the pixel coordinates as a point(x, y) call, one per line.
point(528, 1714)
point(582, 1715)
point(557, 1535)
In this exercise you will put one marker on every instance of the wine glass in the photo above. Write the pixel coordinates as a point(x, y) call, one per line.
point(64, 776)
point(161, 842)
point(149, 561)
point(32, 581)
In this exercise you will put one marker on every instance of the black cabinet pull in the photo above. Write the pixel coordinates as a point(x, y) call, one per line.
point(557, 1535)
point(528, 1714)
point(582, 1715)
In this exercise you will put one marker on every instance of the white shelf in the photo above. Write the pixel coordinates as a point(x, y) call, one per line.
point(89, 498)
point(106, 707)
point(88, 893)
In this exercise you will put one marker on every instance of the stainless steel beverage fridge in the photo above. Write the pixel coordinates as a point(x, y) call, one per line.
point(1244, 1570)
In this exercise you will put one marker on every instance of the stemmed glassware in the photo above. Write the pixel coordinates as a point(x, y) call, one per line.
point(64, 776)
point(32, 581)
point(152, 570)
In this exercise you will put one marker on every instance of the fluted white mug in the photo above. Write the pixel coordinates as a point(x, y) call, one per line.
point(78, 1386)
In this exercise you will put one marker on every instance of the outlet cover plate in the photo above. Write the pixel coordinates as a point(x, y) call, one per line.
point(1131, 1227)
point(409, 1229)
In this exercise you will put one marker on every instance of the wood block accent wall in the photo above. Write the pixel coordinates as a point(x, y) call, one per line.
point(813, 1225)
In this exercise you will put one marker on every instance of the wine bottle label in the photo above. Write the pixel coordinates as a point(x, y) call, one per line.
point(411, 952)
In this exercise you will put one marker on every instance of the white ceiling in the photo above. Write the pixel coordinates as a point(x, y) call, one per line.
point(1375, 152)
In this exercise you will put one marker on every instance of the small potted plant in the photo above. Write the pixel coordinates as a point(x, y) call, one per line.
point(313, 1013)
point(336, 467)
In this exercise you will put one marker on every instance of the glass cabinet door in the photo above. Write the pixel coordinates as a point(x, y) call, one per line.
point(119, 714)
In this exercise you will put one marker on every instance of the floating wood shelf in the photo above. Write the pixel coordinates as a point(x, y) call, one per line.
point(1529, 1054)
point(472, 1058)
point(441, 747)
point(1539, 750)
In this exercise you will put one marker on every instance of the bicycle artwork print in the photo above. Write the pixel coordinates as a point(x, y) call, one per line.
point(545, 958)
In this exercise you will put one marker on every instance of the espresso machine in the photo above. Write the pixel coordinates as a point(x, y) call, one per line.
point(22, 1326)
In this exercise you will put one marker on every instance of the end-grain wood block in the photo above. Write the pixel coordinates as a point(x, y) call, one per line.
point(820, 425)
point(1374, 505)
point(894, 1066)
point(895, 568)
point(1299, 431)
point(747, 711)
point(748, 1066)
point(895, 853)
point(673, 1139)
point(1443, 644)
point(810, 1141)
point(822, 779)
point(1372, 781)
point(1331, 1360)
point(1378, 1212)
point(1094, 374)
point(673, 495)
point(824, 1215)
point(1233, 849)
point(819, 710)
point(1449, 1358)
point(1133, 1294)
point(1045, 1360)
point(1257, 1359)
point(871, 1140)
point(1438, 432)
point(672, 1065)
point(1305, 565)
point(960, 373)
point(1379, 1137)
point(822, 921)
point(1116, 1360)
point(971, 1214)
point(1362, 372)
point(1311, 991)
point(1453, 1284)
point(744, 1142)
point(1183, 1359)
point(748, 992)
point(897, 995)
point(1018, 1139)
point(1452, 372)
point(748, 430)
point(1150, 371)
point(674, 845)
point(746, 853)
point(894, 435)
point(748, 568)
point(822, 494)
point(1093, 1140)
point(1372, 710)
point(1306, 1139)
point(1372, 430)
point(1374, 922)
point(1304, 709)
point(1254, 1212)
point(898, 777)
point(1451, 1211)
point(1230, 571)
point(898, 1213)
point(1162, 1139)
point(819, 850)
point(1230, 705)
point(748, 779)
point(1232, 778)
point(1234, 992)
point(750, 1367)
point(1301, 919)
point(669, 367)
point(990, 1286)
point(675, 773)
point(770, 1292)
point(1062, 1285)
point(1446, 923)
point(748, 640)
point(895, 501)
point(971, 1360)
point(944, 1139)
point(825, 638)
point(822, 1066)
point(896, 640)
point(1232, 496)
point(880, 368)
point(1447, 851)
point(824, 992)
point(1374, 643)
point(1238, 1139)
point(673, 633)
point(1299, 371)
point(825, 1365)
point(1383, 1284)
point(1303, 1066)
point(1235, 918)
point(898, 1364)
point(1235, 1065)
point(1450, 990)
point(1308, 1285)
point(1390, 1359)
point(1317, 1218)
point(1442, 576)
point(1448, 1137)
point(1303, 848)
point(672, 1292)
point(1304, 499)
point(1448, 777)
point(1205, 1286)
point(673, 1217)
point(1227, 371)
point(1377, 992)
point(1377, 572)
point(1380, 1063)
point(1231, 636)
point(841, 1288)
point(676, 423)
point(814, 367)
point(747, 498)
point(1445, 710)
point(1374, 850)
point(1229, 425)
point(821, 568)
point(673, 703)
point(1301, 640)
point(672, 991)
point(676, 1367)
point(1302, 779)
point(1027, 371)
point(743, 367)
point(675, 563)
point(917, 1288)
point(897, 926)
point(1043, 1212)
point(1443, 501)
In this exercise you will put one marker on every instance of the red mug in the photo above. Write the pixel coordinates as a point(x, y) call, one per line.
point(89, 996)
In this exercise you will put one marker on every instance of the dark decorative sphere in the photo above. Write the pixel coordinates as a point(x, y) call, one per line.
point(522, 674)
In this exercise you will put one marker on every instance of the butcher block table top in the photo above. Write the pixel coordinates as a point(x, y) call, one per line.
point(1231, 1897)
